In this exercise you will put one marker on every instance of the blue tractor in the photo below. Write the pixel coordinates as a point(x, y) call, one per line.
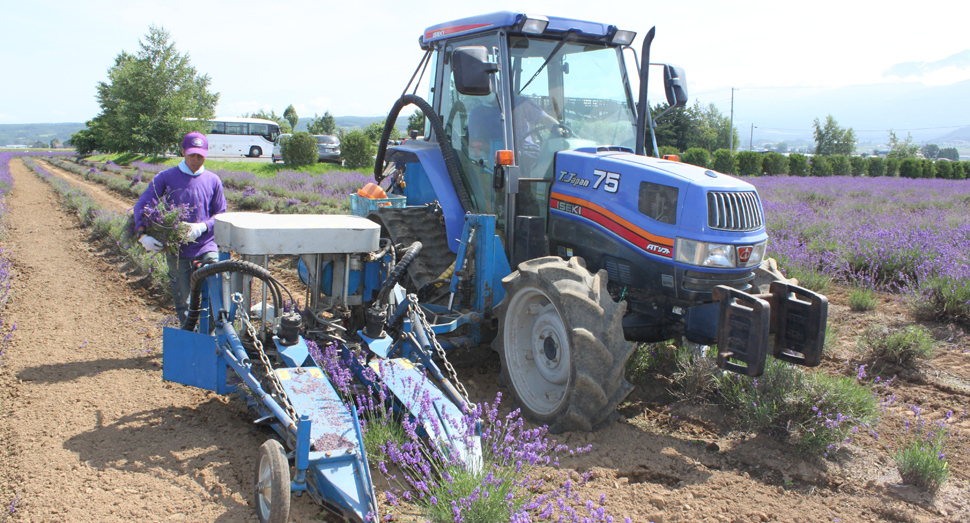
point(548, 232)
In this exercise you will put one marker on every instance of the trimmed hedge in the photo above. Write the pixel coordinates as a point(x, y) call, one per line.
point(875, 166)
point(910, 168)
point(859, 166)
point(892, 167)
point(725, 162)
point(357, 148)
point(749, 163)
point(840, 165)
point(299, 149)
point(774, 163)
point(696, 156)
point(820, 166)
point(797, 164)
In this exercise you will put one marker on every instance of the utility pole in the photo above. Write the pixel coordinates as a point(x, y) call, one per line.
point(751, 139)
point(731, 131)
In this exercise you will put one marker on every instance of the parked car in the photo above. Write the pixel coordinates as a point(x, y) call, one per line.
point(277, 155)
point(329, 147)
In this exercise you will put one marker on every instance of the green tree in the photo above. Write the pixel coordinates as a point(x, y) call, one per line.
point(832, 139)
point(725, 162)
point(961, 170)
point(797, 164)
point(950, 153)
point(749, 163)
point(782, 147)
point(928, 169)
point(85, 141)
point(693, 126)
point(325, 124)
point(299, 149)
point(416, 122)
point(357, 149)
point(666, 150)
point(55, 142)
point(374, 131)
point(696, 156)
point(775, 163)
point(875, 166)
point(147, 97)
point(902, 150)
point(290, 114)
point(931, 151)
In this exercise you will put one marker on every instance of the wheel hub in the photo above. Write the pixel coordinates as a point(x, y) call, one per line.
point(539, 357)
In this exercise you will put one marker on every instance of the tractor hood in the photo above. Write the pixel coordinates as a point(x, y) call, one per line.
point(648, 203)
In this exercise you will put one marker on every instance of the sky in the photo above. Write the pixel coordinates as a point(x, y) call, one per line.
point(354, 58)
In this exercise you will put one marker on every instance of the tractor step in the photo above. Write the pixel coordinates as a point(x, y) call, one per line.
point(796, 316)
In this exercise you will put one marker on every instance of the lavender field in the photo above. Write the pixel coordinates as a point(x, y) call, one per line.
point(895, 234)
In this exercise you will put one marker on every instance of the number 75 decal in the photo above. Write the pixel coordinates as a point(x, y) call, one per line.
point(612, 180)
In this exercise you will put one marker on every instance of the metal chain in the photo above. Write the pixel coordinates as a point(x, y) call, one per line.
point(437, 346)
point(284, 400)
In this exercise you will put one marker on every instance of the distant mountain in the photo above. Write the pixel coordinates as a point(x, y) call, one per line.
point(28, 133)
point(958, 135)
point(960, 60)
point(924, 111)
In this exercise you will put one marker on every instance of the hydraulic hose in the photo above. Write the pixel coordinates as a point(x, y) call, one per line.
point(447, 151)
point(398, 271)
point(245, 267)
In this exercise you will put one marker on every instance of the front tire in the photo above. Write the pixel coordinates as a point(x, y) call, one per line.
point(255, 152)
point(272, 488)
point(561, 344)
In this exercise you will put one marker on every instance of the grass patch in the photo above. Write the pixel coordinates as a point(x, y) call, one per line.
point(902, 347)
point(811, 410)
point(921, 459)
point(944, 299)
point(812, 280)
point(260, 169)
point(862, 299)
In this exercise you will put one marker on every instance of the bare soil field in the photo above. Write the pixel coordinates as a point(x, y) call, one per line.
point(91, 432)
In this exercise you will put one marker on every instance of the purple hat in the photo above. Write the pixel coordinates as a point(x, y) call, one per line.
point(195, 143)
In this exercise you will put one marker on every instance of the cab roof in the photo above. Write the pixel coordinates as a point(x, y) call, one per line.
point(510, 19)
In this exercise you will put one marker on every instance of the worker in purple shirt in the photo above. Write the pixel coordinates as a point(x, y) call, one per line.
point(201, 190)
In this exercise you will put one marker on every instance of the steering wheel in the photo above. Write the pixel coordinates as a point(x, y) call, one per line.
point(548, 127)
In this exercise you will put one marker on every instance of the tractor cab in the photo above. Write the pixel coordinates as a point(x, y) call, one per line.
point(527, 87)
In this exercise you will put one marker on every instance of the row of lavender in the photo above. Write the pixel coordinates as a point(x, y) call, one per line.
point(288, 192)
point(909, 235)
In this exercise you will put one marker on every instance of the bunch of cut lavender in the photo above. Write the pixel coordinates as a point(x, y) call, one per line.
point(166, 223)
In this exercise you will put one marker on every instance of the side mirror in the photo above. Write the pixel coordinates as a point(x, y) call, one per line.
point(675, 85)
point(472, 69)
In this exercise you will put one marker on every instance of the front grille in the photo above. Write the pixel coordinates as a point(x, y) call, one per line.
point(734, 211)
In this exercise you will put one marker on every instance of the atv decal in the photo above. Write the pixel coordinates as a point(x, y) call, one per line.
point(651, 243)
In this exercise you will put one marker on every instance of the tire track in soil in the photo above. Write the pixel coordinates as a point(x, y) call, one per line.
point(90, 431)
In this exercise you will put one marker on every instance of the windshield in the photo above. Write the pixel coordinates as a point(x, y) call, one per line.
point(579, 85)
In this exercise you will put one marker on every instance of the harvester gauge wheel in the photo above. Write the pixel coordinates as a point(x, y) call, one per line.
point(561, 344)
point(272, 483)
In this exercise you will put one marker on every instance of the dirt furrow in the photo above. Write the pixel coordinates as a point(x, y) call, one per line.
point(106, 198)
point(90, 431)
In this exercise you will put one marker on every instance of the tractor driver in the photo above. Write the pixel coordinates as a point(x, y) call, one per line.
point(485, 134)
point(201, 190)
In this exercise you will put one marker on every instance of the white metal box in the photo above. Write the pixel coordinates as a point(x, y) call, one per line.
point(255, 233)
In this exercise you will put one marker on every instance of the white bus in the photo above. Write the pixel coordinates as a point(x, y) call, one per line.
point(252, 137)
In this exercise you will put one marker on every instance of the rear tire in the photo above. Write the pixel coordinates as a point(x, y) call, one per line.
point(272, 486)
point(255, 152)
point(561, 344)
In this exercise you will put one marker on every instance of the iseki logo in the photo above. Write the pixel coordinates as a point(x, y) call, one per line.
point(744, 254)
point(570, 208)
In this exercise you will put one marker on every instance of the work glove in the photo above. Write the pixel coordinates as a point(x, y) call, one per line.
point(150, 244)
point(195, 230)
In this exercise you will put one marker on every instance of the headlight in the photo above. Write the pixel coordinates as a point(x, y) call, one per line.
point(705, 254)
